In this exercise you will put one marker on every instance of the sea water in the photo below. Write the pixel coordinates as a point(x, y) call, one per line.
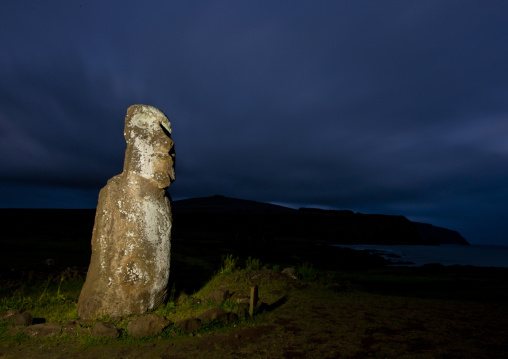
point(416, 255)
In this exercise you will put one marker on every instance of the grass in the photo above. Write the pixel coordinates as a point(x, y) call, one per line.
point(228, 264)
point(55, 300)
point(231, 276)
point(306, 272)
point(391, 312)
point(252, 264)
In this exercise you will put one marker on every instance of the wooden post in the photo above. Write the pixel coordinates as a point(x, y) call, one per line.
point(253, 299)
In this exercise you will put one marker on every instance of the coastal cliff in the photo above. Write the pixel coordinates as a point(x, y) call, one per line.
point(438, 235)
point(244, 220)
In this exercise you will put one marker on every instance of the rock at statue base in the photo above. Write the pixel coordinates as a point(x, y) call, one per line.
point(43, 330)
point(147, 326)
point(129, 268)
point(106, 330)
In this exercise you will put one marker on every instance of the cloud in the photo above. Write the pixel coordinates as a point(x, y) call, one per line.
point(394, 107)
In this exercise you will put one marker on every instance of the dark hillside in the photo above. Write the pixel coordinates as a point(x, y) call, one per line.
point(54, 223)
point(218, 224)
point(241, 220)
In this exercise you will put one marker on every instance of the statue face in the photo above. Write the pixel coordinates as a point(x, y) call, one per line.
point(150, 152)
point(162, 163)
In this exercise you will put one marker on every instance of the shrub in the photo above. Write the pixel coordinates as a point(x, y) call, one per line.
point(252, 264)
point(228, 264)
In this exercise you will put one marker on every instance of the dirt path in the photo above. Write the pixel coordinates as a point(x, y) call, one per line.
point(317, 322)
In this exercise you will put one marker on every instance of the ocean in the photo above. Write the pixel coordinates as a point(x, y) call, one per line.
point(415, 255)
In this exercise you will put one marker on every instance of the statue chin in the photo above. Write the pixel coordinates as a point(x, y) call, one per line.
point(164, 184)
point(163, 180)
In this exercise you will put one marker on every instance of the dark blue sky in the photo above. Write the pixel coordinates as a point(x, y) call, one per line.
point(395, 107)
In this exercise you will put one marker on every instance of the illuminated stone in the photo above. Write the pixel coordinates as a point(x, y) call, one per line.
point(129, 268)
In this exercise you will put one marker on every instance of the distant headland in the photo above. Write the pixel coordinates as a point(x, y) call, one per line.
point(253, 221)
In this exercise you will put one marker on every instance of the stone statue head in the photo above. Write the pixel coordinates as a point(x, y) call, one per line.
point(149, 151)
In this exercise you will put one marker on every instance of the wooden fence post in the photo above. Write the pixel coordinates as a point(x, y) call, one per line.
point(253, 299)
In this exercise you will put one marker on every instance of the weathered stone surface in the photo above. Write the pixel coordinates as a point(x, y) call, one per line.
point(129, 268)
point(219, 295)
point(8, 313)
point(14, 330)
point(290, 272)
point(147, 326)
point(103, 329)
point(232, 317)
point(17, 317)
point(42, 330)
point(213, 314)
point(241, 309)
point(189, 324)
point(240, 297)
point(23, 318)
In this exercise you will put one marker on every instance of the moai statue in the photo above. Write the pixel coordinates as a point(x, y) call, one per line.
point(129, 268)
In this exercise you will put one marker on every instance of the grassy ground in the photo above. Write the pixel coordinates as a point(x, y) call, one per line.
point(342, 306)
